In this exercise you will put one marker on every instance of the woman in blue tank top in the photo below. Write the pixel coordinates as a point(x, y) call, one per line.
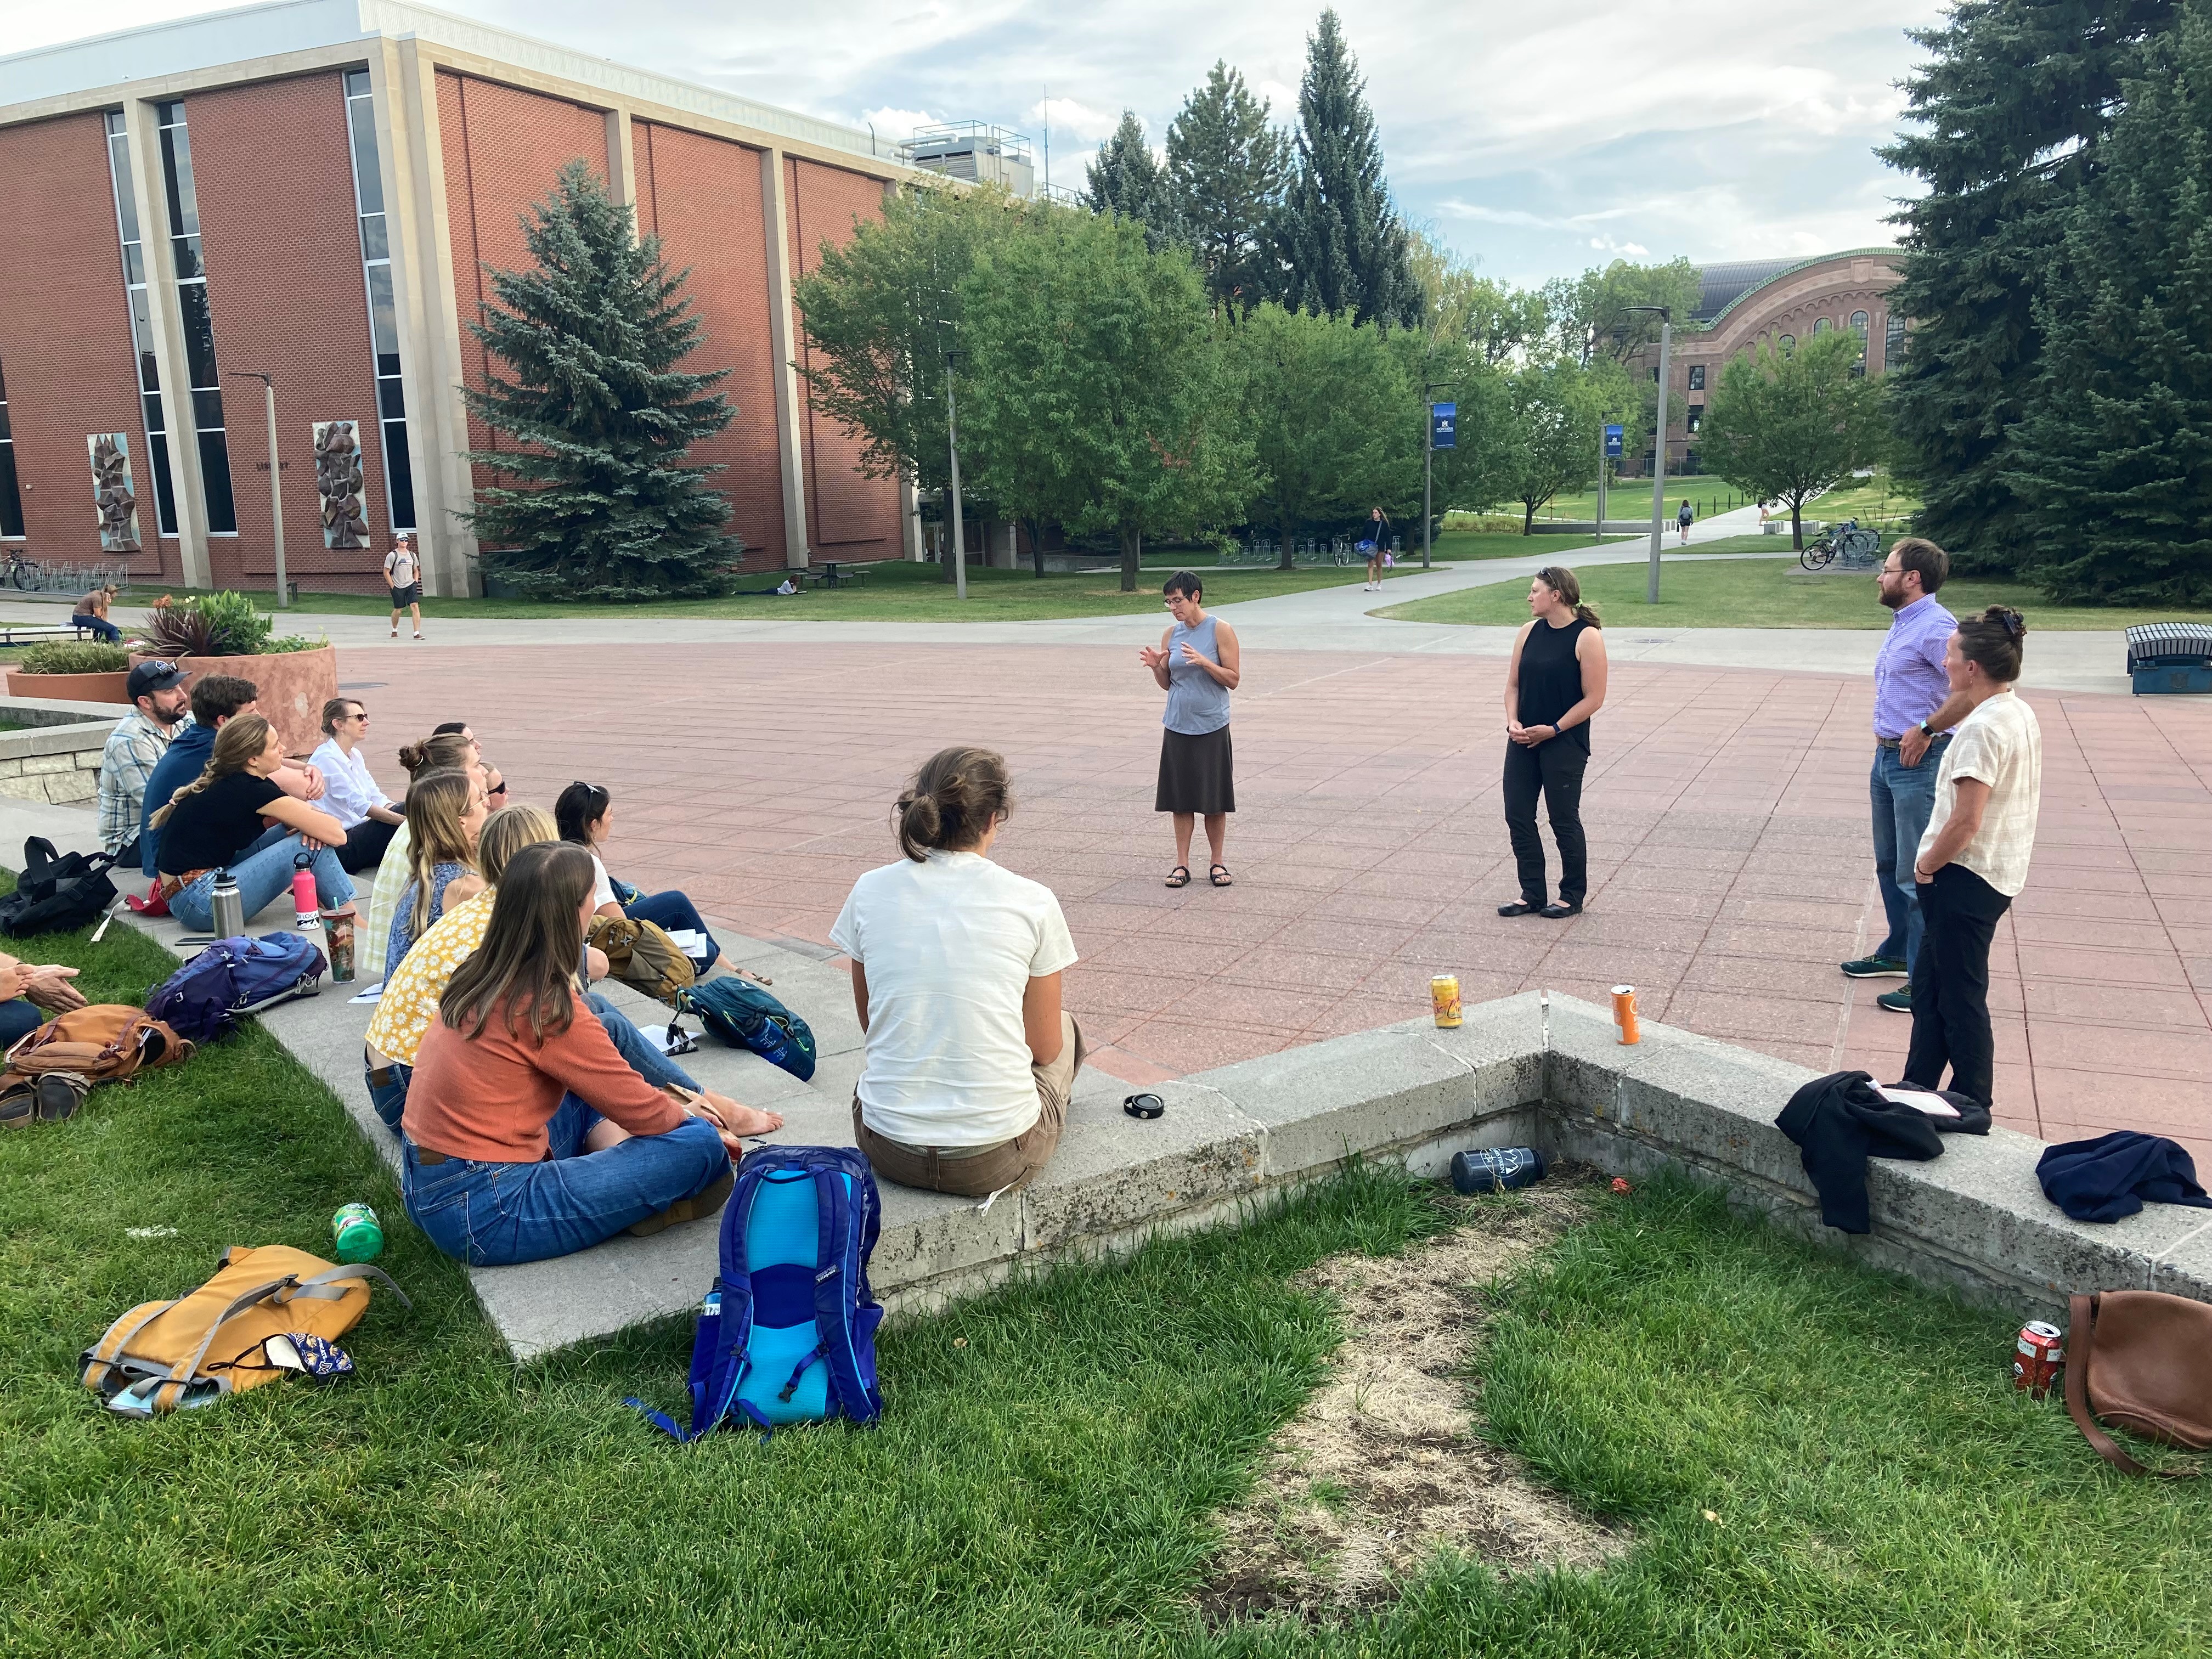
point(1197, 664)
point(1554, 683)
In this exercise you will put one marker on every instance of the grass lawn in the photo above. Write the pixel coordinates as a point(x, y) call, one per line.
point(1631, 498)
point(1762, 593)
point(899, 592)
point(1044, 1479)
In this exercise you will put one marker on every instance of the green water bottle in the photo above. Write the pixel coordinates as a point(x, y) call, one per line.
point(359, 1237)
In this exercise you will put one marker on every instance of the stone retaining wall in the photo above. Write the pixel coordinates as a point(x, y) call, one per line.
point(58, 760)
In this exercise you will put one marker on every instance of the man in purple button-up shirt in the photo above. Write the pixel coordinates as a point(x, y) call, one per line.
point(1910, 686)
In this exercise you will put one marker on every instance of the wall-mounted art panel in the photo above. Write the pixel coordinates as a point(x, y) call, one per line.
point(338, 484)
point(114, 502)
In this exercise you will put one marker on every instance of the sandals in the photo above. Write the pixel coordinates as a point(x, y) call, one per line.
point(1218, 875)
point(53, 1098)
point(1180, 876)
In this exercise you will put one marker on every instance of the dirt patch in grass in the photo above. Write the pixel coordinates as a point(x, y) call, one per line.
point(1383, 1469)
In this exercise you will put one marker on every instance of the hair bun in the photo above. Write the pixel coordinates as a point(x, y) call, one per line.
point(2006, 617)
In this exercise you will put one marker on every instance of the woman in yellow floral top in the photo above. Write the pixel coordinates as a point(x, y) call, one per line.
point(409, 1002)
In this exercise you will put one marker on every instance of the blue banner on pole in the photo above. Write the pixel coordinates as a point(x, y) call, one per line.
point(1613, 443)
point(1443, 426)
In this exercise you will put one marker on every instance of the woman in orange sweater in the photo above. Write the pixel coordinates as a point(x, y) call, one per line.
point(526, 1135)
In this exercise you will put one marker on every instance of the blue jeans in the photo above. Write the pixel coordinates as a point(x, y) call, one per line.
point(262, 875)
point(19, 1018)
point(102, 629)
point(674, 911)
point(390, 1097)
point(493, 1215)
point(1904, 797)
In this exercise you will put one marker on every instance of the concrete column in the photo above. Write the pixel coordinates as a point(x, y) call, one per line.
point(790, 396)
point(910, 518)
point(430, 346)
point(144, 139)
point(621, 160)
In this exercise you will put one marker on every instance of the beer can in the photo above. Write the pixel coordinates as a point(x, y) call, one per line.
point(2038, 1357)
point(1624, 1014)
point(1443, 997)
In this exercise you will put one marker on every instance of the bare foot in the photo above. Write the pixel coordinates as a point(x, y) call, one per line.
point(751, 1120)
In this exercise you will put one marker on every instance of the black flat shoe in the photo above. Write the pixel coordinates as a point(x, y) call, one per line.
point(1518, 908)
point(1559, 912)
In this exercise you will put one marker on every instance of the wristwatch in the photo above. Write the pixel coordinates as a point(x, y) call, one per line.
point(1926, 730)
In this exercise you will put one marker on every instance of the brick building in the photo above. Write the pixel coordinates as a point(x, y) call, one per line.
point(310, 190)
point(1743, 304)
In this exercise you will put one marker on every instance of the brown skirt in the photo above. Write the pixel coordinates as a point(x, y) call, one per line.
point(1197, 775)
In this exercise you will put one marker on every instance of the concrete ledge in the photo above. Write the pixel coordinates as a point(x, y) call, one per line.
point(1532, 1069)
point(57, 761)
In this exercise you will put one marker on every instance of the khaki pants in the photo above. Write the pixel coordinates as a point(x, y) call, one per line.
point(980, 1173)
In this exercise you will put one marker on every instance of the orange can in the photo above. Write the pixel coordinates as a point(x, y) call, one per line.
point(1623, 1013)
point(1443, 996)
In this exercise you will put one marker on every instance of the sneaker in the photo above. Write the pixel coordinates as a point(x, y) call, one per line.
point(1897, 1002)
point(1877, 968)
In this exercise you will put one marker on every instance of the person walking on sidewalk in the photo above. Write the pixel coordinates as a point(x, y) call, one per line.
point(1683, 519)
point(1912, 717)
point(1553, 684)
point(403, 574)
point(1378, 543)
point(1198, 663)
point(1972, 861)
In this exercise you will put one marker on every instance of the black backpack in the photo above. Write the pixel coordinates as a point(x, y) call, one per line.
point(55, 893)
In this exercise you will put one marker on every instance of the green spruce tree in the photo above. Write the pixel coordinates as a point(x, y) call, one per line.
point(2013, 109)
point(583, 378)
point(1339, 244)
point(1226, 164)
point(2112, 463)
point(1125, 177)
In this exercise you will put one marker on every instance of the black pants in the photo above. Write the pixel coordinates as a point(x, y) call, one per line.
point(1951, 984)
point(1555, 770)
point(364, 846)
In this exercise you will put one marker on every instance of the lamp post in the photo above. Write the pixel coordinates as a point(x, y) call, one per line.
point(1428, 466)
point(1659, 451)
point(275, 487)
point(959, 529)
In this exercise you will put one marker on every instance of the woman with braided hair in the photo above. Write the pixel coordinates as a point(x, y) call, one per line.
point(441, 751)
point(1973, 859)
point(957, 965)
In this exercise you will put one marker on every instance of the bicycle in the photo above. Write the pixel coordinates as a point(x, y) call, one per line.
point(1858, 548)
point(22, 573)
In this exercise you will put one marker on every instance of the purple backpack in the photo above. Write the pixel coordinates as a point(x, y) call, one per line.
point(234, 977)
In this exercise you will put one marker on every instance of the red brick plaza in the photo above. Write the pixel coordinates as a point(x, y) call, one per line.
point(1727, 809)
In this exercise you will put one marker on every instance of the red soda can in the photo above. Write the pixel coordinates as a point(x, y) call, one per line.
point(2038, 1357)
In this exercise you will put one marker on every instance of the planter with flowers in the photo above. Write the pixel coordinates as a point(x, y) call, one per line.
point(74, 671)
point(226, 633)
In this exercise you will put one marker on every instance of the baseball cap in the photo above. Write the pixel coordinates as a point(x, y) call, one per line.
point(155, 675)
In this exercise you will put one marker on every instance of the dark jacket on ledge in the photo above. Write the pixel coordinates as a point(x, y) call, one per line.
point(1840, 1121)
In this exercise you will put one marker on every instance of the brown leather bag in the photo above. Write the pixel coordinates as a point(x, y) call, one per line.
point(102, 1042)
point(2143, 1359)
point(640, 953)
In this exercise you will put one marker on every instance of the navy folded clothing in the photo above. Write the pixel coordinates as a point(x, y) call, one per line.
point(2115, 1175)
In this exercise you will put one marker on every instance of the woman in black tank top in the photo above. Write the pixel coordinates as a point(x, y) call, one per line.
point(1555, 684)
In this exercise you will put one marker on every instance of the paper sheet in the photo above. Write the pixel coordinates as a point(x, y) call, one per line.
point(689, 940)
point(658, 1036)
point(369, 994)
point(1919, 1099)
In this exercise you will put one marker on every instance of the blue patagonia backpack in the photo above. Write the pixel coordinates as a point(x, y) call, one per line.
point(745, 1016)
point(233, 978)
point(788, 1333)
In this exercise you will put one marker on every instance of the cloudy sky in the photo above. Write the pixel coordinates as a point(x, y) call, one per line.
point(1537, 139)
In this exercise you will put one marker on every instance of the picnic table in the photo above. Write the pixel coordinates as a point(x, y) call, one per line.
point(833, 574)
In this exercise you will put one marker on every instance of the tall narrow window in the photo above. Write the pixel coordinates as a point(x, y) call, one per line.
point(1892, 341)
point(383, 318)
point(11, 501)
point(1697, 377)
point(142, 322)
point(1859, 322)
point(1822, 325)
point(206, 388)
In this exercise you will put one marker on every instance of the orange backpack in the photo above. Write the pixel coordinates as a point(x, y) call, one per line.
point(104, 1043)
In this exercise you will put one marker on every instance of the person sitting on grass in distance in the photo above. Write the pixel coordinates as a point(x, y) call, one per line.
point(216, 699)
point(354, 797)
point(451, 752)
point(526, 1134)
point(445, 813)
point(956, 967)
point(30, 994)
point(411, 991)
point(585, 813)
point(219, 821)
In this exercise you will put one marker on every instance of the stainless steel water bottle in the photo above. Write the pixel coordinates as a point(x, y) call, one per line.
point(227, 907)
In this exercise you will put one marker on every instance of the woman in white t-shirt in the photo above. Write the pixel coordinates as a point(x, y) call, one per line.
point(957, 965)
point(1973, 859)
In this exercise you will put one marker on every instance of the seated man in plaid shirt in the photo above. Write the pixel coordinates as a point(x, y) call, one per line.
point(134, 749)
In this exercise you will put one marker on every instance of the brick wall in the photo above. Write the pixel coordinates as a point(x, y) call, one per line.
point(65, 340)
point(503, 147)
point(282, 240)
point(850, 515)
point(701, 197)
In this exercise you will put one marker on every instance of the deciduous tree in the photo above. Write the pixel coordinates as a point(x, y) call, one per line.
point(1784, 427)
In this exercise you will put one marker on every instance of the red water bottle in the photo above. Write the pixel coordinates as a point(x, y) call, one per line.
point(304, 901)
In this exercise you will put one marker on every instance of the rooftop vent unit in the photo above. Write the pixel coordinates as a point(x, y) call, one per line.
point(975, 151)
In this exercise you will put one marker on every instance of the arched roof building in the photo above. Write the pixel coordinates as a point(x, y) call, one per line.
point(1749, 300)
